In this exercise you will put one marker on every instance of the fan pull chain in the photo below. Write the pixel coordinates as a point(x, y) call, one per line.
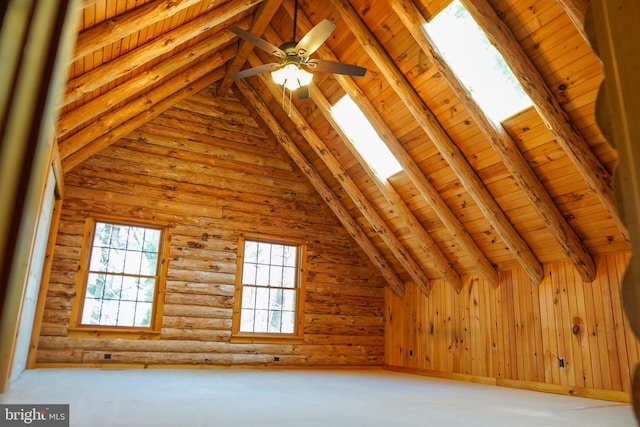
point(290, 96)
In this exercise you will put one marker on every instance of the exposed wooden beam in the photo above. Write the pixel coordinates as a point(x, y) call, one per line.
point(576, 9)
point(365, 207)
point(430, 249)
point(452, 154)
point(264, 13)
point(502, 143)
point(556, 119)
point(118, 27)
point(254, 102)
point(140, 83)
point(124, 64)
point(146, 108)
point(421, 182)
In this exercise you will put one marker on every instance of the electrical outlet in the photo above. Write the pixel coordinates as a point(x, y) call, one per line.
point(411, 352)
point(276, 358)
point(107, 356)
point(561, 362)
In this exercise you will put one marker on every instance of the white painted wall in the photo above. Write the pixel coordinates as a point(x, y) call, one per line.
point(36, 263)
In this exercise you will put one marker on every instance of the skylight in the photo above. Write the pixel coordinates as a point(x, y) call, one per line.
point(364, 137)
point(477, 63)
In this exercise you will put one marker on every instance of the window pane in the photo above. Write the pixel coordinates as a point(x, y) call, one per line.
point(129, 288)
point(274, 321)
point(277, 254)
point(119, 236)
point(147, 289)
point(264, 253)
point(95, 285)
point(290, 256)
point(126, 313)
point(116, 260)
point(91, 312)
point(109, 312)
point(288, 322)
point(289, 277)
point(143, 314)
point(250, 251)
point(246, 320)
point(260, 324)
point(99, 259)
point(102, 235)
point(149, 265)
point(289, 300)
point(136, 239)
point(151, 240)
point(262, 298)
point(132, 262)
point(275, 299)
point(248, 297)
point(249, 273)
point(113, 287)
point(262, 275)
point(275, 278)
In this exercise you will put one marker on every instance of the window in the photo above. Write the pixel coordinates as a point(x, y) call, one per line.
point(364, 137)
point(123, 275)
point(269, 288)
point(477, 63)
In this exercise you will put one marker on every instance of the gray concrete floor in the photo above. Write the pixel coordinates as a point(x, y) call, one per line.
point(239, 397)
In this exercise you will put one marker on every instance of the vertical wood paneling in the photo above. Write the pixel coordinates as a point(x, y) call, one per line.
point(518, 331)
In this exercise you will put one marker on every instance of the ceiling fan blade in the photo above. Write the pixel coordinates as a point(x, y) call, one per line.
point(315, 37)
point(303, 92)
point(334, 67)
point(258, 42)
point(255, 70)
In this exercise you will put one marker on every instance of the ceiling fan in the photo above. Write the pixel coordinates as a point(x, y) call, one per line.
point(293, 70)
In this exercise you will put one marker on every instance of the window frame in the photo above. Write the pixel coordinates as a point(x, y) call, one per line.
point(76, 326)
point(301, 268)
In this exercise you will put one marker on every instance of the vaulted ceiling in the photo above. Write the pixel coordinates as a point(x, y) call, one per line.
point(474, 197)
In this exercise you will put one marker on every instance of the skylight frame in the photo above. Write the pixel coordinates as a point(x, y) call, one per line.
point(497, 92)
point(364, 138)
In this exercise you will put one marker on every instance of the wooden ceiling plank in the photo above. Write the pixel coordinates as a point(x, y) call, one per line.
point(422, 183)
point(106, 129)
point(556, 119)
point(112, 70)
point(254, 102)
point(429, 123)
point(116, 28)
point(502, 143)
point(576, 9)
point(140, 83)
point(264, 13)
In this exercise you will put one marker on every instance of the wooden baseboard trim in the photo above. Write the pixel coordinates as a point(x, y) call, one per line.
point(190, 366)
point(590, 393)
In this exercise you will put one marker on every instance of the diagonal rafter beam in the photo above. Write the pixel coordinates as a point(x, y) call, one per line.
point(118, 27)
point(421, 182)
point(502, 143)
point(254, 102)
point(139, 84)
point(133, 115)
point(350, 187)
point(264, 13)
point(452, 154)
point(558, 122)
point(124, 64)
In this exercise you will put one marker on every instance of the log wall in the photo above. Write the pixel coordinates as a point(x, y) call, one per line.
point(205, 167)
point(514, 335)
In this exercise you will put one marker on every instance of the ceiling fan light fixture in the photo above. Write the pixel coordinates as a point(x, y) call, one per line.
point(292, 76)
